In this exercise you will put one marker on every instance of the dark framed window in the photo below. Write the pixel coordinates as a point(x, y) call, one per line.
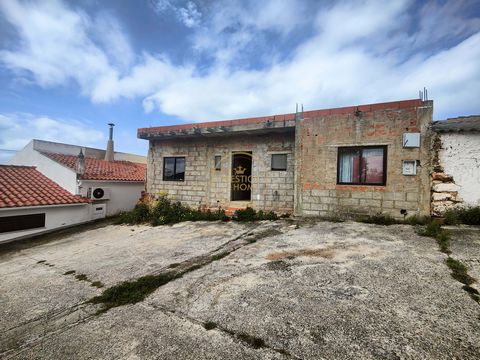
point(279, 162)
point(174, 168)
point(218, 162)
point(362, 165)
point(21, 222)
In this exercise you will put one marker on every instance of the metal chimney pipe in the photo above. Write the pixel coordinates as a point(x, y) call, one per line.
point(109, 154)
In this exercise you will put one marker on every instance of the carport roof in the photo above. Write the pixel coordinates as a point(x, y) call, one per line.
point(22, 186)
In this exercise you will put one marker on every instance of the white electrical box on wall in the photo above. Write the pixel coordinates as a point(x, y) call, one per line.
point(409, 167)
point(411, 140)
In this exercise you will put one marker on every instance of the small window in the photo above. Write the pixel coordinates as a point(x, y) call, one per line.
point(218, 162)
point(365, 165)
point(279, 162)
point(173, 169)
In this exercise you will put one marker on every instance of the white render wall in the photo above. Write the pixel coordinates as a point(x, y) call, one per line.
point(56, 217)
point(62, 175)
point(460, 158)
point(123, 195)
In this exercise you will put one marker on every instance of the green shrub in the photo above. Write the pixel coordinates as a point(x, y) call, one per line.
point(250, 214)
point(450, 217)
point(433, 229)
point(140, 214)
point(418, 220)
point(379, 219)
point(464, 215)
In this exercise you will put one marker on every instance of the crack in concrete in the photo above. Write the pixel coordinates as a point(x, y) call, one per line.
point(244, 338)
point(18, 339)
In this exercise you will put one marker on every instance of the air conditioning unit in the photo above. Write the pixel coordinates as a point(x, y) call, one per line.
point(99, 193)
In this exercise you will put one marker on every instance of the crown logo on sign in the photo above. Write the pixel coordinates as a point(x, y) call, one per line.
point(239, 170)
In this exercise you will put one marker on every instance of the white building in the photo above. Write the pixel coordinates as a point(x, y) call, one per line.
point(456, 161)
point(31, 203)
point(113, 186)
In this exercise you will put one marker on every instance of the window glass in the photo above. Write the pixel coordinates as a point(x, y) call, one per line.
point(349, 166)
point(279, 162)
point(361, 165)
point(373, 166)
point(168, 168)
point(218, 162)
point(174, 169)
point(180, 168)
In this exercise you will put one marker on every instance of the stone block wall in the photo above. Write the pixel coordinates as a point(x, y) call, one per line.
point(319, 135)
point(206, 186)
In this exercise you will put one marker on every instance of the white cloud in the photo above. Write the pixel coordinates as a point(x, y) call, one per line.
point(188, 13)
point(17, 129)
point(357, 52)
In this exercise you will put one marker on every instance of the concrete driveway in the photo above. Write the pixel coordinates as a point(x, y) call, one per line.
point(270, 290)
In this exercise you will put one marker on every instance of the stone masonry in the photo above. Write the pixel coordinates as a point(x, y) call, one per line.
point(203, 185)
point(311, 140)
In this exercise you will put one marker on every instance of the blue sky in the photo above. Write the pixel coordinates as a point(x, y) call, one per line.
point(67, 68)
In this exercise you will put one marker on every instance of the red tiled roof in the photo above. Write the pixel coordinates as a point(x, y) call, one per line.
point(103, 170)
point(26, 186)
point(285, 117)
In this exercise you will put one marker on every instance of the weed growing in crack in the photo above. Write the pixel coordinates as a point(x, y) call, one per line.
point(434, 230)
point(82, 277)
point(253, 341)
point(69, 272)
point(41, 261)
point(97, 284)
point(131, 292)
point(219, 256)
point(459, 271)
point(209, 325)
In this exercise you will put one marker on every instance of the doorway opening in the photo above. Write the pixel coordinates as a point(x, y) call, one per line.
point(241, 183)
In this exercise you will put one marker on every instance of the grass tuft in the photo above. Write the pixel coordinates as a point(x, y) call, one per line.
point(69, 272)
point(249, 214)
point(97, 284)
point(81, 277)
point(463, 215)
point(253, 341)
point(379, 219)
point(459, 271)
point(209, 325)
point(131, 292)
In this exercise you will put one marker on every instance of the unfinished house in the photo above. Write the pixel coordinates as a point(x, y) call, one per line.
point(354, 160)
point(456, 163)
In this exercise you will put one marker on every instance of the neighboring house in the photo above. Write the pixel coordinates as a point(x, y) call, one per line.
point(31, 203)
point(114, 185)
point(356, 160)
point(456, 161)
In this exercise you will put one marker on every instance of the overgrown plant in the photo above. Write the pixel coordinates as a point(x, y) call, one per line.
point(250, 214)
point(463, 215)
point(164, 211)
point(379, 219)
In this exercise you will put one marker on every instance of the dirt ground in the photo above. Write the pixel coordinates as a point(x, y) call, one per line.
point(268, 290)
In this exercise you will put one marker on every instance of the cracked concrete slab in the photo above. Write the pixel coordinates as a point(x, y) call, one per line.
point(324, 290)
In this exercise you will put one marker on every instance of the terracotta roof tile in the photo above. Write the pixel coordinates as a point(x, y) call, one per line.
point(103, 170)
point(26, 186)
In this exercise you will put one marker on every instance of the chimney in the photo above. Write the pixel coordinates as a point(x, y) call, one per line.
point(80, 164)
point(109, 153)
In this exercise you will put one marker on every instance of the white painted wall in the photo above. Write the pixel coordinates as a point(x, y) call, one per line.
point(123, 195)
point(460, 158)
point(62, 175)
point(56, 217)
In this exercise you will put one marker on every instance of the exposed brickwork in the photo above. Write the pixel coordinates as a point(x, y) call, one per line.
point(317, 141)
